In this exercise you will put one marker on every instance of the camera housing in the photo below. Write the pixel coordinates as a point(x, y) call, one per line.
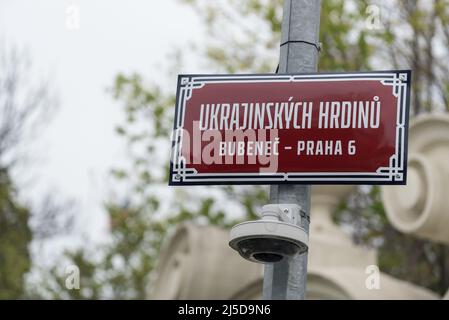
point(272, 238)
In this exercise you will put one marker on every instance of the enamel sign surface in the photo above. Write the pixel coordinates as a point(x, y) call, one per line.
point(338, 128)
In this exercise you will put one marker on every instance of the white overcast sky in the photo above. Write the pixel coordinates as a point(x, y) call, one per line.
point(79, 147)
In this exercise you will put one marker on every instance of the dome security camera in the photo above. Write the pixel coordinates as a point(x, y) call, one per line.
point(273, 238)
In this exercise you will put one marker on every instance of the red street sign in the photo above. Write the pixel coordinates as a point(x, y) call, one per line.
point(326, 128)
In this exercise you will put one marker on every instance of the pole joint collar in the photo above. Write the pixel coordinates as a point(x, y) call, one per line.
point(316, 45)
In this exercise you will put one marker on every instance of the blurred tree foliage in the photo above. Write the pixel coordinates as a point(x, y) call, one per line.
point(243, 36)
point(23, 106)
point(15, 236)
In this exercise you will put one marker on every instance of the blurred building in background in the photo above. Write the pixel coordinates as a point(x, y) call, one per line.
point(196, 263)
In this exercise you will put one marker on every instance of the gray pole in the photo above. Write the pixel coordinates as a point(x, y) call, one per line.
point(299, 54)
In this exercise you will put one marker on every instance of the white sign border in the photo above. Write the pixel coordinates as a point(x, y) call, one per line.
point(395, 173)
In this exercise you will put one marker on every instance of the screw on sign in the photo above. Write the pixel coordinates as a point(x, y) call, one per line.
point(321, 128)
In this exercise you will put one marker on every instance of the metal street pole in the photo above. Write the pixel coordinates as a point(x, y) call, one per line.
point(298, 54)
